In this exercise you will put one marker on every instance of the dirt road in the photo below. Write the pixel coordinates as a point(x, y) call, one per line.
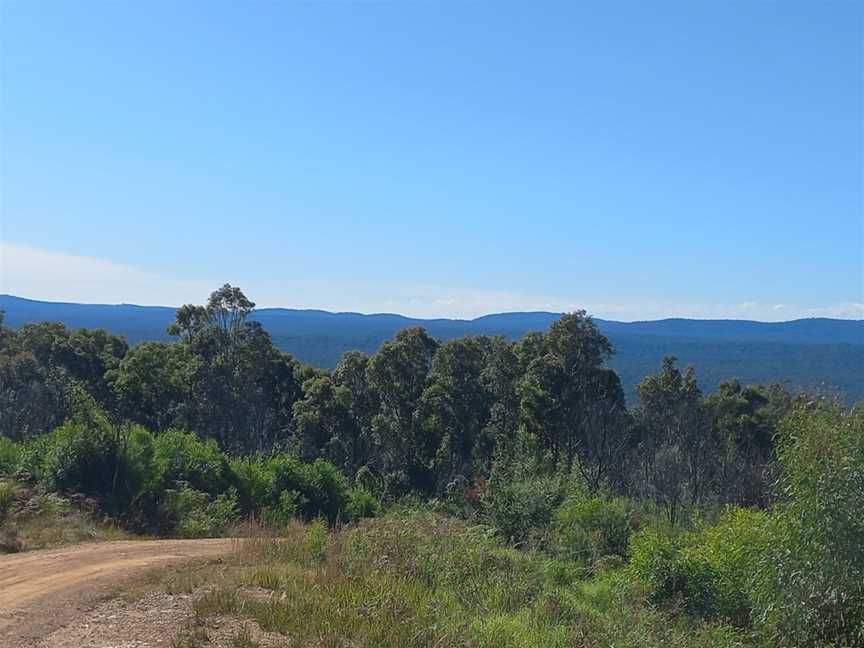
point(40, 591)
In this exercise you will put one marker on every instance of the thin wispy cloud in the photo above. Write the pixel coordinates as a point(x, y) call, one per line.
point(56, 276)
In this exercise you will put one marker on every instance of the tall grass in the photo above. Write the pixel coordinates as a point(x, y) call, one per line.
point(424, 579)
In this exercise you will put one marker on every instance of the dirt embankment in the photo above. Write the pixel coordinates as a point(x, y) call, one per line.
point(42, 591)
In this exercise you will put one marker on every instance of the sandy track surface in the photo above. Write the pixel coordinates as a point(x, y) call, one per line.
point(41, 591)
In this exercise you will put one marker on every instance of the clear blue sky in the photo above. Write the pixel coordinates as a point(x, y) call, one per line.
point(637, 159)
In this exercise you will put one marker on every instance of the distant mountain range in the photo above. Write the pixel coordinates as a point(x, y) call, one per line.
point(818, 353)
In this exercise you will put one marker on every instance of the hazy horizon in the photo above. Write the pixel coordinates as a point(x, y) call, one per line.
point(423, 317)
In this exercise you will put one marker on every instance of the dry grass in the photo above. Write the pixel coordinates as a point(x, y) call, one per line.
point(31, 519)
point(418, 580)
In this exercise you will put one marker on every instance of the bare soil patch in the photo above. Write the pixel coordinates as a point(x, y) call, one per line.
point(42, 592)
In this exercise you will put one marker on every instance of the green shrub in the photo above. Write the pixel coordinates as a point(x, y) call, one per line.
point(590, 529)
point(283, 512)
point(675, 575)
point(281, 487)
point(191, 513)
point(812, 592)
point(31, 458)
point(325, 490)
point(183, 457)
point(732, 546)
point(521, 510)
point(362, 504)
point(111, 464)
point(139, 451)
point(708, 572)
point(315, 540)
point(80, 458)
point(253, 479)
point(150, 481)
point(319, 488)
point(10, 457)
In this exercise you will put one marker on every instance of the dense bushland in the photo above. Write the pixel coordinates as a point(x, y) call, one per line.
point(528, 505)
point(418, 416)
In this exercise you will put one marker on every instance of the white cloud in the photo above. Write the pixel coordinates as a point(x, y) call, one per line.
point(54, 276)
point(43, 274)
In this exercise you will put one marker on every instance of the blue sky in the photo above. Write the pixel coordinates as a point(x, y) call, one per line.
point(637, 159)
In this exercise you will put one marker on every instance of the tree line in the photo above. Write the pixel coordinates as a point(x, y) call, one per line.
point(419, 415)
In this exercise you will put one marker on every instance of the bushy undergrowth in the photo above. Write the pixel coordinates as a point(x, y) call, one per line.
point(10, 457)
point(706, 572)
point(796, 573)
point(284, 487)
point(811, 586)
point(519, 500)
point(177, 484)
point(595, 529)
point(194, 514)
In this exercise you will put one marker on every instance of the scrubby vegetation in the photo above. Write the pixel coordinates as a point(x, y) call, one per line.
point(174, 483)
point(31, 518)
point(476, 492)
point(426, 579)
point(601, 571)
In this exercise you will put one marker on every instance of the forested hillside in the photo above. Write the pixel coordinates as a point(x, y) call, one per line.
point(815, 354)
point(523, 501)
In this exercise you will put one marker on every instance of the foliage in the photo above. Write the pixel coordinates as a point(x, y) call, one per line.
point(708, 572)
point(421, 416)
point(589, 529)
point(675, 575)
point(362, 503)
point(194, 514)
point(79, 458)
point(521, 509)
point(570, 402)
point(7, 498)
point(10, 457)
point(176, 483)
point(324, 489)
point(676, 447)
point(315, 540)
point(282, 512)
point(811, 589)
point(183, 457)
point(398, 373)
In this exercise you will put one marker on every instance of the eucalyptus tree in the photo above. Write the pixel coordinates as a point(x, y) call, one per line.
point(500, 377)
point(241, 388)
point(152, 385)
point(745, 420)
point(325, 426)
point(398, 374)
point(38, 365)
point(363, 405)
point(456, 406)
point(678, 449)
point(569, 400)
